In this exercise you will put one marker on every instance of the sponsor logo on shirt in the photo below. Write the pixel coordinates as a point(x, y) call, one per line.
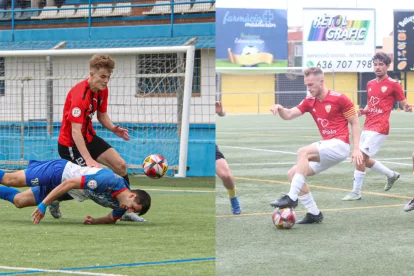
point(324, 123)
point(76, 112)
point(374, 101)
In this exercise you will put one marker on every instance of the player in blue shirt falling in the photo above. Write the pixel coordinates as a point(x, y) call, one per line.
point(53, 179)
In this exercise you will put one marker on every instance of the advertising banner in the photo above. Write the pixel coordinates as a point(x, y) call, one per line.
point(340, 40)
point(251, 38)
point(403, 40)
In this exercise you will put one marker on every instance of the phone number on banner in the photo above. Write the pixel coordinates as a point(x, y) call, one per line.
point(342, 65)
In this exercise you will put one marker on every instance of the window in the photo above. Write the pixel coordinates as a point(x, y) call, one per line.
point(197, 72)
point(163, 74)
point(2, 74)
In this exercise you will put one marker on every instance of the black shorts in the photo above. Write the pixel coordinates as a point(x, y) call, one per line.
point(96, 147)
point(219, 155)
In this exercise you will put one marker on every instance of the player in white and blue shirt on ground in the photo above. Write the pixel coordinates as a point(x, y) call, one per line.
point(53, 179)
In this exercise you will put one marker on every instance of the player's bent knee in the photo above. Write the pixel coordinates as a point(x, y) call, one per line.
point(9, 181)
point(120, 167)
point(226, 176)
point(302, 152)
point(223, 173)
point(19, 202)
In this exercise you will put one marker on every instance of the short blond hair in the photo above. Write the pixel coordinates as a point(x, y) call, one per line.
point(99, 61)
point(315, 71)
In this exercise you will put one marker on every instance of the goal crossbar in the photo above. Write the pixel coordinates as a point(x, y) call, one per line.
point(112, 51)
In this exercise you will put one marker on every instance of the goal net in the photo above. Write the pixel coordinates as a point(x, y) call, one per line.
point(154, 92)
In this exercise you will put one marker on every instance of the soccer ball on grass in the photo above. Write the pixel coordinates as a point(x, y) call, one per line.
point(284, 218)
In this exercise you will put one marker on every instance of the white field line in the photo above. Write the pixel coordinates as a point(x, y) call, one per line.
point(292, 163)
point(263, 150)
point(395, 163)
point(261, 164)
point(56, 271)
point(190, 191)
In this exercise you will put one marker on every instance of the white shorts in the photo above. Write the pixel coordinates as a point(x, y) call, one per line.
point(78, 194)
point(331, 152)
point(370, 142)
point(74, 170)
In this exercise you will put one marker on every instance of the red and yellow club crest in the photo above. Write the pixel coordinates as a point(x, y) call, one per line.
point(328, 108)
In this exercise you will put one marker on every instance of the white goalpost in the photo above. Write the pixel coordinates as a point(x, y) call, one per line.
point(151, 93)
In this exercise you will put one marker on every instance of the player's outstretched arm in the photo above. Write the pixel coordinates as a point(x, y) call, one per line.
point(56, 193)
point(285, 113)
point(356, 153)
point(80, 144)
point(104, 119)
point(108, 219)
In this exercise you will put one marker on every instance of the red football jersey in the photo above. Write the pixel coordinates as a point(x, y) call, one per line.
point(381, 97)
point(80, 107)
point(330, 114)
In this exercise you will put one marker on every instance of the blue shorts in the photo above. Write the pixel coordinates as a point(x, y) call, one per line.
point(44, 176)
point(45, 173)
point(40, 192)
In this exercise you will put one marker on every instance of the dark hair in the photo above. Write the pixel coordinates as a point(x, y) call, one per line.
point(99, 61)
point(381, 56)
point(312, 71)
point(142, 198)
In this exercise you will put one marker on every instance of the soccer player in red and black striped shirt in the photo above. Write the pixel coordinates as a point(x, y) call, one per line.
point(78, 141)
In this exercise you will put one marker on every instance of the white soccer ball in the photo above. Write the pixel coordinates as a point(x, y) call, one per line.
point(155, 166)
point(249, 50)
point(284, 218)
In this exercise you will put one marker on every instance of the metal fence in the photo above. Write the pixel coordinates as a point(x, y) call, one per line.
point(249, 91)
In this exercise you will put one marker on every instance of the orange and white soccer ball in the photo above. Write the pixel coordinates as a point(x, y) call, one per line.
point(284, 218)
point(155, 166)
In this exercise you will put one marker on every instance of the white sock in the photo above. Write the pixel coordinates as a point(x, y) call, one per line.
point(297, 183)
point(378, 167)
point(358, 181)
point(309, 203)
